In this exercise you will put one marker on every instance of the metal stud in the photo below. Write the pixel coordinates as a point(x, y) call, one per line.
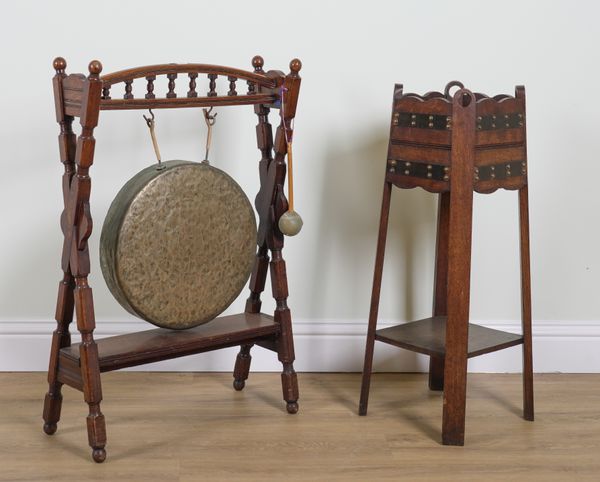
point(446, 169)
point(407, 164)
point(446, 177)
point(407, 172)
point(430, 117)
point(430, 124)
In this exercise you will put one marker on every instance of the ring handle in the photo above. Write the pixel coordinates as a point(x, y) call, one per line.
point(449, 85)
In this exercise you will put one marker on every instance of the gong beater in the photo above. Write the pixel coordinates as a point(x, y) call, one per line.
point(178, 242)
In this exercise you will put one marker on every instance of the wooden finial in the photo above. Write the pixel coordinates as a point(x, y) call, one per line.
point(59, 65)
point(295, 66)
point(95, 67)
point(257, 63)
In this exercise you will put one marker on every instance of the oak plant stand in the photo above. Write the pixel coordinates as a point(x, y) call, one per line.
point(453, 146)
point(79, 365)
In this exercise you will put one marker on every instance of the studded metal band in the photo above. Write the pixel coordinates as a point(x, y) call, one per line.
point(502, 121)
point(423, 121)
point(423, 170)
point(500, 171)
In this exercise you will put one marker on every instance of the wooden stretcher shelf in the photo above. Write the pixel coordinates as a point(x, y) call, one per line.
point(149, 346)
point(428, 336)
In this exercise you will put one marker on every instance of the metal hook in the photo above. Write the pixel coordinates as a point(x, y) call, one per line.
point(210, 119)
point(150, 122)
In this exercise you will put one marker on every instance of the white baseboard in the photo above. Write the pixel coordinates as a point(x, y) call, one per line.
point(329, 346)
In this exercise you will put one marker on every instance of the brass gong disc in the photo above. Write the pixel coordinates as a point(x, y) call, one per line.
point(178, 244)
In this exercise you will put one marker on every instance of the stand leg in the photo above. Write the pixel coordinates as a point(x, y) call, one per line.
point(440, 289)
point(436, 373)
point(285, 342)
point(460, 226)
point(379, 257)
point(528, 411)
point(90, 368)
point(242, 367)
point(60, 338)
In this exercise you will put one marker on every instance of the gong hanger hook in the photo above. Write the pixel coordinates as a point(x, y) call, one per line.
point(150, 121)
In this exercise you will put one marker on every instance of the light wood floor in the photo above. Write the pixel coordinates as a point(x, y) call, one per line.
point(185, 427)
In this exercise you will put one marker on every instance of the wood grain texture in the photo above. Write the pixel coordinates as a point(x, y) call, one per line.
point(149, 346)
point(428, 336)
point(203, 430)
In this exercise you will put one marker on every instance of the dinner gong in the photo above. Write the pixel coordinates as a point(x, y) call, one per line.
point(178, 244)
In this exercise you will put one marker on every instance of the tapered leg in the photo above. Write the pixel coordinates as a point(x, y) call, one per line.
point(90, 368)
point(459, 268)
point(436, 373)
point(375, 294)
point(60, 338)
point(242, 367)
point(285, 342)
point(440, 288)
point(528, 411)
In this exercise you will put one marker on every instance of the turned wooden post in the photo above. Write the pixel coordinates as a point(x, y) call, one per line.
point(80, 222)
point(65, 302)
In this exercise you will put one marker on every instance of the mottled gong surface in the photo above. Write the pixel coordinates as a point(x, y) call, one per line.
point(178, 244)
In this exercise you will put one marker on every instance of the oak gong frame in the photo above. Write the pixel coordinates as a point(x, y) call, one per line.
point(80, 365)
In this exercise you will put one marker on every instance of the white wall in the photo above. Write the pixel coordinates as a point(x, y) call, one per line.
point(353, 53)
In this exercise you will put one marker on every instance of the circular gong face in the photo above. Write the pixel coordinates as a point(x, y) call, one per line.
point(178, 244)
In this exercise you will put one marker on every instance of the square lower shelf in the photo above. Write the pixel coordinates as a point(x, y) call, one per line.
point(428, 336)
point(149, 346)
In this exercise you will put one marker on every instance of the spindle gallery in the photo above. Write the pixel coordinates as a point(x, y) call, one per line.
point(180, 239)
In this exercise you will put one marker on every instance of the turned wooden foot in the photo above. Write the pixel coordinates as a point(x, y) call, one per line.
point(292, 407)
point(50, 428)
point(242, 367)
point(99, 455)
point(52, 407)
point(289, 384)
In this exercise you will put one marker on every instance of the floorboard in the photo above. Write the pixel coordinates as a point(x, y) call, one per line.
point(190, 427)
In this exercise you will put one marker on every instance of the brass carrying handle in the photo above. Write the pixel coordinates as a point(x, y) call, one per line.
point(150, 124)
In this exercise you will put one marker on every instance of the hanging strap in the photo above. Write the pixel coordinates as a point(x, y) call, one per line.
point(210, 122)
point(150, 123)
